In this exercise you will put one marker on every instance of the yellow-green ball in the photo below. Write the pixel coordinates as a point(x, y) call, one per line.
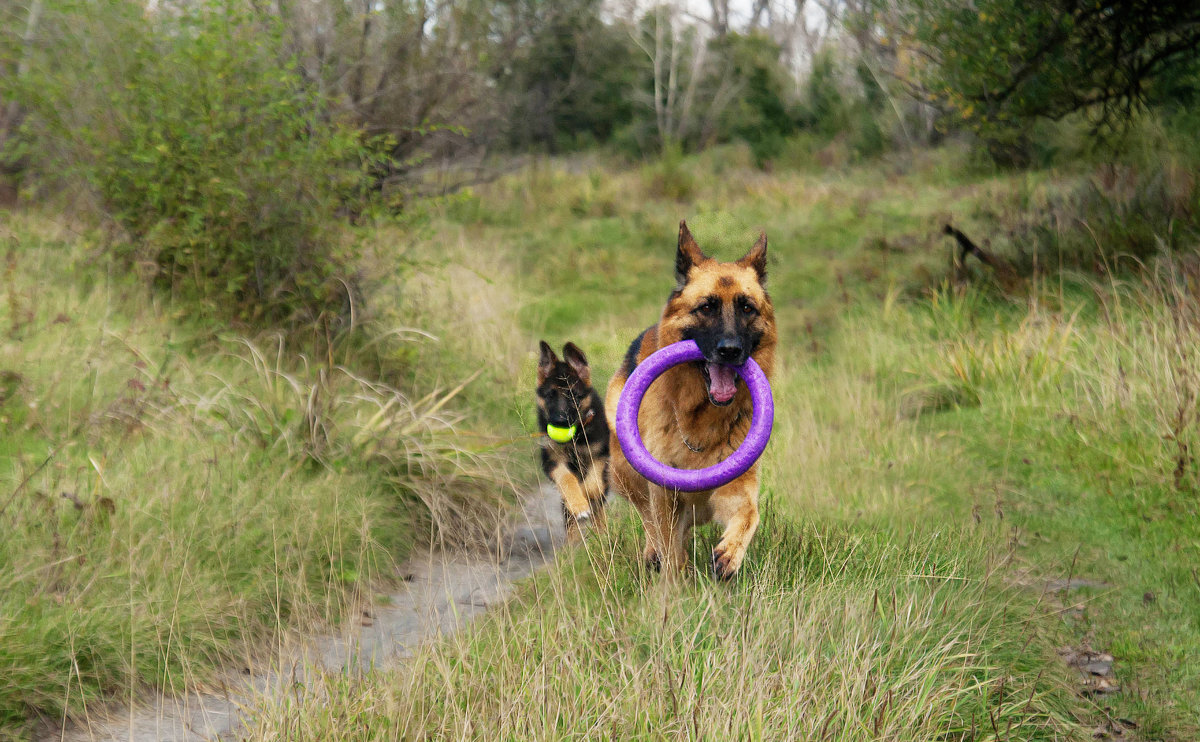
point(560, 435)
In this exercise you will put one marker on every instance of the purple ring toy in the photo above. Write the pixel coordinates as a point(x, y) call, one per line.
point(691, 480)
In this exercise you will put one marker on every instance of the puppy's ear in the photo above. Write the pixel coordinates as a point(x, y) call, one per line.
point(687, 254)
point(578, 362)
point(757, 258)
point(546, 363)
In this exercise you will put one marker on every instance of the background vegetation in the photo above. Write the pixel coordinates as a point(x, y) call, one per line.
point(273, 274)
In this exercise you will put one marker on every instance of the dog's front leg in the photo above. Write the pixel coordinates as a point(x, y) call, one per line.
point(735, 506)
point(576, 507)
point(651, 553)
point(595, 489)
point(662, 530)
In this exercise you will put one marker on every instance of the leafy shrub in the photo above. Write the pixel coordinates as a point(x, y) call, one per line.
point(761, 113)
point(847, 110)
point(204, 144)
point(668, 177)
point(825, 105)
point(995, 66)
point(570, 82)
point(1122, 214)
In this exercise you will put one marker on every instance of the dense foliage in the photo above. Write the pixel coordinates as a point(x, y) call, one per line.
point(570, 80)
point(233, 141)
point(999, 64)
point(224, 171)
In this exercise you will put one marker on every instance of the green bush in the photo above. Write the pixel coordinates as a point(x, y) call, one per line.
point(995, 66)
point(825, 106)
point(834, 109)
point(668, 177)
point(1120, 213)
point(570, 82)
point(1124, 216)
point(201, 140)
point(761, 113)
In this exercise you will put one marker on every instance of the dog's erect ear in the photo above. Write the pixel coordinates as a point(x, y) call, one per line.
point(687, 254)
point(578, 362)
point(757, 258)
point(546, 363)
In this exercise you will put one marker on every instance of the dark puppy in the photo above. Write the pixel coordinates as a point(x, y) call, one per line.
point(569, 408)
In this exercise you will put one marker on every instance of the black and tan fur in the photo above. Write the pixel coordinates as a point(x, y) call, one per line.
point(725, 308)
point(579, 467)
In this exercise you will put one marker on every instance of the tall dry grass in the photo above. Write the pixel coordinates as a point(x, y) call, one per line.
point(173, 503)
point(875, 604)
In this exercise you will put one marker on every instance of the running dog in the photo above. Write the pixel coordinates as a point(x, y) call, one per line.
point(577, 461)
point(697, 414)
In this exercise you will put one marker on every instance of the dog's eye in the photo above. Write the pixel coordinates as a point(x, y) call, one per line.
point(708, 307)
point(748, 308)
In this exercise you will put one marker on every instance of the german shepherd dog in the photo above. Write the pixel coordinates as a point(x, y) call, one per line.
point(697, 414)
point(579, 466)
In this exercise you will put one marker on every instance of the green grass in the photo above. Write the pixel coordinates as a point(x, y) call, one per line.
point(873, 605)
point(881, 598)
point(1084, 446)
point(174, 501)
point(939, 456)
point(845, 632)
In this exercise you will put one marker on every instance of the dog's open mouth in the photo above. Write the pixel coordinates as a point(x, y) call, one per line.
point(721, 381)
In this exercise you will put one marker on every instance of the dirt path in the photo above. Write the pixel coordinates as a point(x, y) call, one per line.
point(444, 594)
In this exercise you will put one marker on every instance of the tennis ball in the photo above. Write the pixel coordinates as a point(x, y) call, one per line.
point(560, 435)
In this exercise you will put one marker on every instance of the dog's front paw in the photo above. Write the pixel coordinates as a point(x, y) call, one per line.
point(652, 560)
point(727, 560)
point(575, 524)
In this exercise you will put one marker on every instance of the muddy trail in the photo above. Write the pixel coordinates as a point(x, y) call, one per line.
point(442, 593)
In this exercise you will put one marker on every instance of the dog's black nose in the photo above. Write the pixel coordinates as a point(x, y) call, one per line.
point(731, 352)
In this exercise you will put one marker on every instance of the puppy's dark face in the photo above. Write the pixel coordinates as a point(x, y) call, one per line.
point(564, 393)
point(724, 307)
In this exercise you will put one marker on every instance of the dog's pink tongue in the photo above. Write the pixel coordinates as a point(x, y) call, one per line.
point(722, 383)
